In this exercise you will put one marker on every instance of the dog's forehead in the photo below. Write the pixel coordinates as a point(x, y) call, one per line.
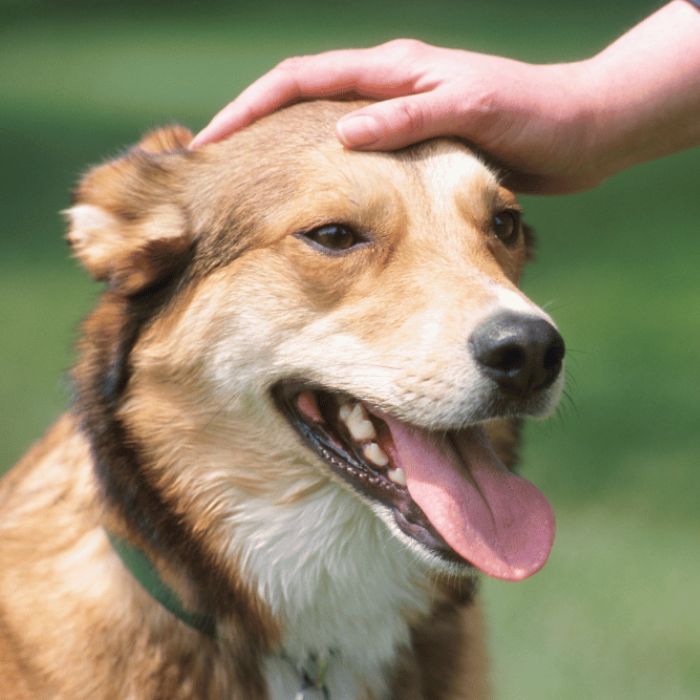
point(444, 164)
point(452, 174)
point(300, 141)
point(441, 174)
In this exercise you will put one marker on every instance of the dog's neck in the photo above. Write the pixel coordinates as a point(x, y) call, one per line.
point(311, 673)
point(343, 588)
point(342, 593)
point(294, 544)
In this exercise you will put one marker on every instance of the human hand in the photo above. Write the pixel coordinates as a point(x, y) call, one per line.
point(552, 128)
point(529, 118)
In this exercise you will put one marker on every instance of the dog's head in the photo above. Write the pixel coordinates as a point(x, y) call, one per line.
point(310, 313)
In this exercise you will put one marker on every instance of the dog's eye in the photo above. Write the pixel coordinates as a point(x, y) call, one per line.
point(333, 237)
point(506, 226)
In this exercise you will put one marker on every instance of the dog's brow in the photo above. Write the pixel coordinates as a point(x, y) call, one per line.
point(452, 175)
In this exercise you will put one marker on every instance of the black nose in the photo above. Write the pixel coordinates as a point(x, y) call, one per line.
point(521, 353)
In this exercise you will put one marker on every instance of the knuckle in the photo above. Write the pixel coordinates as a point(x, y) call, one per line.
point(404, 48)
point(481, 104)
point(293, 64)
point(410, 116)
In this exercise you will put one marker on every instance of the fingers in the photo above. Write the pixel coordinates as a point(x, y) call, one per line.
point(264, 96)
point(365, 72)
point(399, 122)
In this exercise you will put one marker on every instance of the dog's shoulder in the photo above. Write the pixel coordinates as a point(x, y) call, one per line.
point(45, 474)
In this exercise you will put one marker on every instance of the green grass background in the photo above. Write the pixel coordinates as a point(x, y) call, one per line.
point(615, 613)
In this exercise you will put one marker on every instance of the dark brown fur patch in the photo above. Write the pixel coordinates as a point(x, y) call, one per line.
point(142, 283)
point(158, 263)
point(101, 378)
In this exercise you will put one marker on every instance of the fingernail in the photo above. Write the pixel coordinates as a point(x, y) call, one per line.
point(195, 141)
point(358, 131)
point(199, 138)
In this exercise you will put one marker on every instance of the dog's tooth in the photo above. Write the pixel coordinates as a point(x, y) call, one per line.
point(361, 430)
point(359, 425)
point(398, 476)
point(358, 411)
point(344, 411)
point(375, 454)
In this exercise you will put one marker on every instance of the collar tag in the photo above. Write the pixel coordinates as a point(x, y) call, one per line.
point(313, 674)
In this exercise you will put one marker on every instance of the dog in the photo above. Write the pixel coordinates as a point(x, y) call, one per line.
point(295, 409)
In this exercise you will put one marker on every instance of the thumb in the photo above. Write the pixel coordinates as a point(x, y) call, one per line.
point(398, 122)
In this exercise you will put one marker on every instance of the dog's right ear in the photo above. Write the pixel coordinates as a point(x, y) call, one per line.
point(126, 225)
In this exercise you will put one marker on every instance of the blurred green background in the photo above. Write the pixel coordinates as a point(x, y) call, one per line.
point(615, 614)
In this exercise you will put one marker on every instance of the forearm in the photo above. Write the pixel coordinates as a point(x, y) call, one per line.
point(646, 89)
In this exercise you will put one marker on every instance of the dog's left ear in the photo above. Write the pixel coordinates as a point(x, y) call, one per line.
point(126, 225)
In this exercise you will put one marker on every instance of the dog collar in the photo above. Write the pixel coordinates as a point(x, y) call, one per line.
point(312, 673)
point(142, 569)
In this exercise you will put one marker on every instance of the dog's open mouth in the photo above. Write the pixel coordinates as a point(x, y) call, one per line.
point(448, 491)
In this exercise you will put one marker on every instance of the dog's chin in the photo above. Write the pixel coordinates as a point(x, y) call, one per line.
point(354, 443)
point(361, 445)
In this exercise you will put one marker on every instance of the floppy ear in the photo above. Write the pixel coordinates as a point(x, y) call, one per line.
point(126, 225)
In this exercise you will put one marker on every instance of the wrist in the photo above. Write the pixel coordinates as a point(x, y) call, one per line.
point(584, 127)
point(602, 122)
point(615, 111)
point(643, 91)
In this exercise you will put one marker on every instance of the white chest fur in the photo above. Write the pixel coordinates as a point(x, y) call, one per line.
point(340, 583)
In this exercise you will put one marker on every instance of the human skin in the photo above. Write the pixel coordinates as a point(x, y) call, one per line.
point(552, 128)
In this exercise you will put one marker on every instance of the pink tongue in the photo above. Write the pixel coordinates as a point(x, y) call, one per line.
point(496, 520)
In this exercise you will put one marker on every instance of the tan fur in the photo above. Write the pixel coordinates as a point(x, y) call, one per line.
point(197, 251)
